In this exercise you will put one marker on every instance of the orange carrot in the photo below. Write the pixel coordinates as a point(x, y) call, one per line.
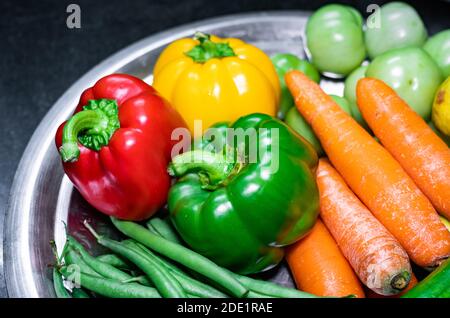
point(423, 155)
point(413, 282)
point(319, 267)
point(375, 255)
point(373, 174)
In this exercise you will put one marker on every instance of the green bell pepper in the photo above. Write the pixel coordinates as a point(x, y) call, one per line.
point(285, 62)
point(241, 212)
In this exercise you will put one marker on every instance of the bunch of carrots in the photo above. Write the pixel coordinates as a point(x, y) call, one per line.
point(379, 203)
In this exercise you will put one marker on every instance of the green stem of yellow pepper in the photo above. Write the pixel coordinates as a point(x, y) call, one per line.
point(208, 49)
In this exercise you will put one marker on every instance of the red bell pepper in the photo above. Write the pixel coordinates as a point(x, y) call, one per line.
point(117, 145)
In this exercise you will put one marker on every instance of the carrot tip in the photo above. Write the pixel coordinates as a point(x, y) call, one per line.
point(401, 280)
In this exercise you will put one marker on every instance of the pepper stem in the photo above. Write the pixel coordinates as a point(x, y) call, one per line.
point(93, 127)
point(208, 49)
point(212, 168)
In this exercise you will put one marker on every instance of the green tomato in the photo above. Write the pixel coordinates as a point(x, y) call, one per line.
point(412, 73)
point(438, 46)
point(283, 63)
point(343, 103)
point(296, 121)
point(394, 25)
point(350, 93)
point(335, 39)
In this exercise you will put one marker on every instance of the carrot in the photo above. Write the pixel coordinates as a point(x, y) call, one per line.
point(319, 267)
point(423, 155)
point(377, 258)
point(413, 282)
point(373, 174)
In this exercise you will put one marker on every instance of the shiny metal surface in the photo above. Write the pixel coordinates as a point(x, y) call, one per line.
point(42, 197)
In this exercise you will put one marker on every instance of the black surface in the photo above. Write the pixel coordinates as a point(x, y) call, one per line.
point(40, 57)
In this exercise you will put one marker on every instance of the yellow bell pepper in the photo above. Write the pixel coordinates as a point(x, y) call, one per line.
point(212, 79)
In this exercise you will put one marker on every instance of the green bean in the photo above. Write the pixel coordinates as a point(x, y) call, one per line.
point(72, 257)
point(79, 293)
point(58, 285)
point(197, 288)
point(106, 270)
point(164, 262)
point(112, 288)
point(254, 294)
point(182, 255)
point(190, 285)
point(164, 282)
point(272, 289)
point(164, 229)
point(136, 279)
point(260, 288)
point(114, 260)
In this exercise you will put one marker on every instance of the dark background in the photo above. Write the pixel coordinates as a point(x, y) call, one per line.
point(40, 57)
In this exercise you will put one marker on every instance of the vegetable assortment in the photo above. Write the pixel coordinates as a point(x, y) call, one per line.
point(350, 190)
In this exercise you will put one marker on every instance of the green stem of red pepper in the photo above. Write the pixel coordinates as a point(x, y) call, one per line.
point(213, 168)
point(93, 127)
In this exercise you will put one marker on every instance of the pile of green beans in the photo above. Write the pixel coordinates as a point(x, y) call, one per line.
point(151, 263)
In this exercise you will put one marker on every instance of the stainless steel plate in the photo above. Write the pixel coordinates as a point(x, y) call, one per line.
point(42, 198)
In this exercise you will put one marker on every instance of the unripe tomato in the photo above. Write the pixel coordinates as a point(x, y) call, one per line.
point(335, 39)
point(350, 93)
point(296, 121)
point(394, 25)
point(438, 46)
point(285, 62)
point(412, 73)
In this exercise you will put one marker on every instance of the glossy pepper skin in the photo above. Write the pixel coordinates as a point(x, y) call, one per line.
point(116, 147)
point(213, 79)
point(239, 213)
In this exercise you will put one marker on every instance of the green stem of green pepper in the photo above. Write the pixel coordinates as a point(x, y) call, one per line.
point(213, 168)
